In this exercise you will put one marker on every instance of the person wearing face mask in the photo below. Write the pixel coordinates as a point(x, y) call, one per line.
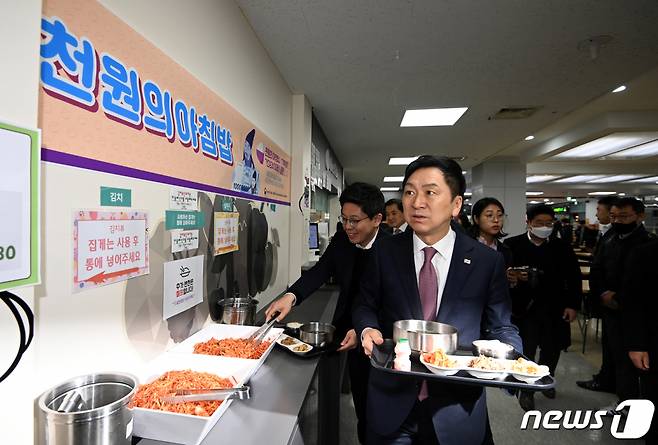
point(548, 292)
point(604, 380)
point(609, 272)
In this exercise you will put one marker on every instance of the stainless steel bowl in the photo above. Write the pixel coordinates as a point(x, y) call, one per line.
point(240, 311)
point(493, 348)
point(90, 409)
point(317, 334)
point(426, 336)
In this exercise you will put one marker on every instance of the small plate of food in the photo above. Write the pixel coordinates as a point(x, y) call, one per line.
point(294, 345)
point(528, 371)
point(440, 363)
point(483, 367)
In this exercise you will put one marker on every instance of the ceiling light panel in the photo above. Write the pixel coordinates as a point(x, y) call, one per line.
point(432, 117)
point(389, 189)
point(402, 161)
point(602, 193)
point(607, 145)
point(649, 180)
point(540, 178)
point(641, 151)
point(534, 193)
point(393, 178)
point(615, 178)
point(579, 178)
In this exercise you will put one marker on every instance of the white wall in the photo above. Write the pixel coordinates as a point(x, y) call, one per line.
point(117, 327)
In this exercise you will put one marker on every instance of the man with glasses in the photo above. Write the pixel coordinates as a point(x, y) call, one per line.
point(608, 276)
point(362, 209)
point(548, 292)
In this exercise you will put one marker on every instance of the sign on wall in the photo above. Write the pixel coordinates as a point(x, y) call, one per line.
point(184, 240)
point(113, 102)
point(108, 247)
point(226, 232)
point(19, 206)
point(182, 199)
point(183, 285)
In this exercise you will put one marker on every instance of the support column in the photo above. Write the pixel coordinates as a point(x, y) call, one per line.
point(301, 173)
point(503, 178)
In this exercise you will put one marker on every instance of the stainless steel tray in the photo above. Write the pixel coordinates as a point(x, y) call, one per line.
point(383, 355)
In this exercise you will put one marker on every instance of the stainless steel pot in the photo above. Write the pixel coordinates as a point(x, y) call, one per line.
point(238, 311)
point(317, 334)
point(426, 336)
point(88, 410)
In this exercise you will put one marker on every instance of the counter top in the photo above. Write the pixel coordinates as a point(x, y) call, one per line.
point(278, 389)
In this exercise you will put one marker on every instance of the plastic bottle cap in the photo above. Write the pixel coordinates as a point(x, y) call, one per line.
point(403, 340)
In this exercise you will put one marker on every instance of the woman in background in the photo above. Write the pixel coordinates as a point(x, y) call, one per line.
point(488, 218)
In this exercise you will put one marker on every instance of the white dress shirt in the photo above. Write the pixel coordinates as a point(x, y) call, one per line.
point(401, 229)
point(370, 243)
point(440, 261)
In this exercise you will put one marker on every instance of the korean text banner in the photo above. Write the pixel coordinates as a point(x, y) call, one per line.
point(113, 102)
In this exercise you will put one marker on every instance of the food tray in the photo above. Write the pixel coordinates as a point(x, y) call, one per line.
point(220, 331)
point(383, 355)
point(184, 428)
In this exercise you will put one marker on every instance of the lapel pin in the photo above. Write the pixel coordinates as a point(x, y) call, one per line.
point(467, 261)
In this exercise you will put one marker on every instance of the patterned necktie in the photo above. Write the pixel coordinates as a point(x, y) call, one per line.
point(428, 287)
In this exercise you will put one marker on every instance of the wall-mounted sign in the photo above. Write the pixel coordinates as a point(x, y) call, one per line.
point(183, 285)
point(175, 219)
point(182, 199)
point(184, 240)
point(111, 196)
point(226, 232)
point(124, 107)
point(108, 247)
point(19, 206)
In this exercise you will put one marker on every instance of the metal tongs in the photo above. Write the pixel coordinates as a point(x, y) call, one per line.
point(259, 335)
point(196, 395)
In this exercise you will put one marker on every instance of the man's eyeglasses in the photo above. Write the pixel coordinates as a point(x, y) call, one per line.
point(351, 222)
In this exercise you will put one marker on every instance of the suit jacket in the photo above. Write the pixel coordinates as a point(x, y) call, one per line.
point(337, 262)
point(641, 304)
point(475, 295)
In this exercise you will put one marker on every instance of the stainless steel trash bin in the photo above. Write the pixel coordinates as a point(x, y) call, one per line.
point(88, 410)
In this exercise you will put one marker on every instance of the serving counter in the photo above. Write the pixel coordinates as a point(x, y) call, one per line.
point(279, 389)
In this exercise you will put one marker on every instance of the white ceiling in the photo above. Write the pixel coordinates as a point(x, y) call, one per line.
point(362, 63)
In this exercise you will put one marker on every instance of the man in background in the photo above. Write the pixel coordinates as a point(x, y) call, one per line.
point(395, 216)
point(548, 292)
point(604, 380)
point(609, 274)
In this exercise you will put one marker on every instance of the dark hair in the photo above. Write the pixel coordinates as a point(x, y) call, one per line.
point(477, 210)
point(451, 170)
point(539, 209)
point(607, 201)
point(366, 196)
point(395, 201)
point(636, 204)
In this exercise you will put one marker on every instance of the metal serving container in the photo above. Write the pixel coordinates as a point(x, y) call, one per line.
point(317, 334)
point(493, 348)
point(88, 410)
point(240, 311)
point(426, 336)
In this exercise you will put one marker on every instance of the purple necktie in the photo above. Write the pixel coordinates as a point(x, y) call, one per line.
point(428, 287)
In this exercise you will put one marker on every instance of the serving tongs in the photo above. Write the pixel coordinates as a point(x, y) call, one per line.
point(197, 395)
point(259, 335)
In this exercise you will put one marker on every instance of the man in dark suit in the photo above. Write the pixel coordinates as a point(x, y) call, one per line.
point(432, 273)
point(362, 208)
point(641, 339)
point(395, 216)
